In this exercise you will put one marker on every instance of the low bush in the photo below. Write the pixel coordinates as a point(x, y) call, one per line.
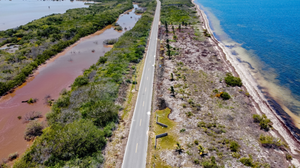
point(201, 124)
point(236, 155)
point(247, 161)
point(33, 129)
point(119, 28)
point(182, 130)
point(233, 81)
point(196, 142)
point(210, 163)
point(234, 146)
point(225, 96)
point(13, 156)
point(288, 157)
point(271, 142)
point(80, 81)
point(110, 41)
point(31, 100)
point(263, 121)
point(189, 114)
point(31, 116)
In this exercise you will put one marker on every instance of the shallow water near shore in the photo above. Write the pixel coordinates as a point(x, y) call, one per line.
point(58, 73)
point(14, 13)
point(263, 35)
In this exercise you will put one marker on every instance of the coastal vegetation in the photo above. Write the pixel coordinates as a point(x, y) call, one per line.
point(214, 123)
point(41, 39)
point(83, 118)
point(233, 81)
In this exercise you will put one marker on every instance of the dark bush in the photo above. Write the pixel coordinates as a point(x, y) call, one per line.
point(247, 161)
point(80, 81)
point(233, 81)
point(13, 156)
point(63, 101)
point(234, 146)
point(225, 96)
point(263, 121)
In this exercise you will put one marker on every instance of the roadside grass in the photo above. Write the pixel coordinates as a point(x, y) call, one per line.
point(169, 141)
point(159, 163)
point(129, 104)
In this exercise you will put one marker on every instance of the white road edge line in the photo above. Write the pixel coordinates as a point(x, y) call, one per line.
point(138, 96)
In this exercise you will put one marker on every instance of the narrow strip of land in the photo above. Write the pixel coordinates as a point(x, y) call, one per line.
point(136, 149)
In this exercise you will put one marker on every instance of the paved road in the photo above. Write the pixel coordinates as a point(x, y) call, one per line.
point(136, 148)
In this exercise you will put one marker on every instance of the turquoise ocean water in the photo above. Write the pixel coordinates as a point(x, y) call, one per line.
point(269, 31)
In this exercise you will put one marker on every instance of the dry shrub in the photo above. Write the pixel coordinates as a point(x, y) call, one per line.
point(32, 115)
point(33, 129)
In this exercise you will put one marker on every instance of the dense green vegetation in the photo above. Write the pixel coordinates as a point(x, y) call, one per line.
point(82, 118)
point(178, 12)
point(233, 81)
point(43, 38)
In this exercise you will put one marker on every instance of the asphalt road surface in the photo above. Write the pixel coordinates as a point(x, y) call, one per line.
point(136, 148)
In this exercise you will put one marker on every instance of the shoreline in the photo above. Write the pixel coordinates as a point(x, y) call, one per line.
point(259, 101)
point(12, 94)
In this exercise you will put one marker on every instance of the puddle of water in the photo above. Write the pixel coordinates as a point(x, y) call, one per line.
point(50, 79)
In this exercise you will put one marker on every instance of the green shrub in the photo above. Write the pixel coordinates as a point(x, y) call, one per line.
point(215, 91)
point(225, 96)
point(201, 124)
point(234, 146)
point(247, 161)
point(31, 100)
point(233, 81)
point(101, 112)
point(80, 81)
point(119, 28)
point(196, 142)
point(288, 157)
point(236, 155)
point(271, 142)
point(189, 114)
point(182, 130)
point(263, 121)
point(63, 101)
point(102, 60)
point(196, 161)
point(77, 140)
point(210, 163)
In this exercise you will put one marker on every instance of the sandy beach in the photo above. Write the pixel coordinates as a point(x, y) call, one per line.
point(259, 101)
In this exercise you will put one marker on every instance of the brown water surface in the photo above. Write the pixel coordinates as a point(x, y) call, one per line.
point(58, 73)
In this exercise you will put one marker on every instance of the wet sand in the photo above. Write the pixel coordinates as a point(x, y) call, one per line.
point(49, 79)
point(259, 101)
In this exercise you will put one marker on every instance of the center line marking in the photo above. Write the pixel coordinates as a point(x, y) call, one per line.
point(145, 89)
point(136, 147)
point(147, 77)
point(140, 122)
point(143, 103)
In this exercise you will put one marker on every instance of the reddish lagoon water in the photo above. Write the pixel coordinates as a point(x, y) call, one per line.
point(57, 74)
